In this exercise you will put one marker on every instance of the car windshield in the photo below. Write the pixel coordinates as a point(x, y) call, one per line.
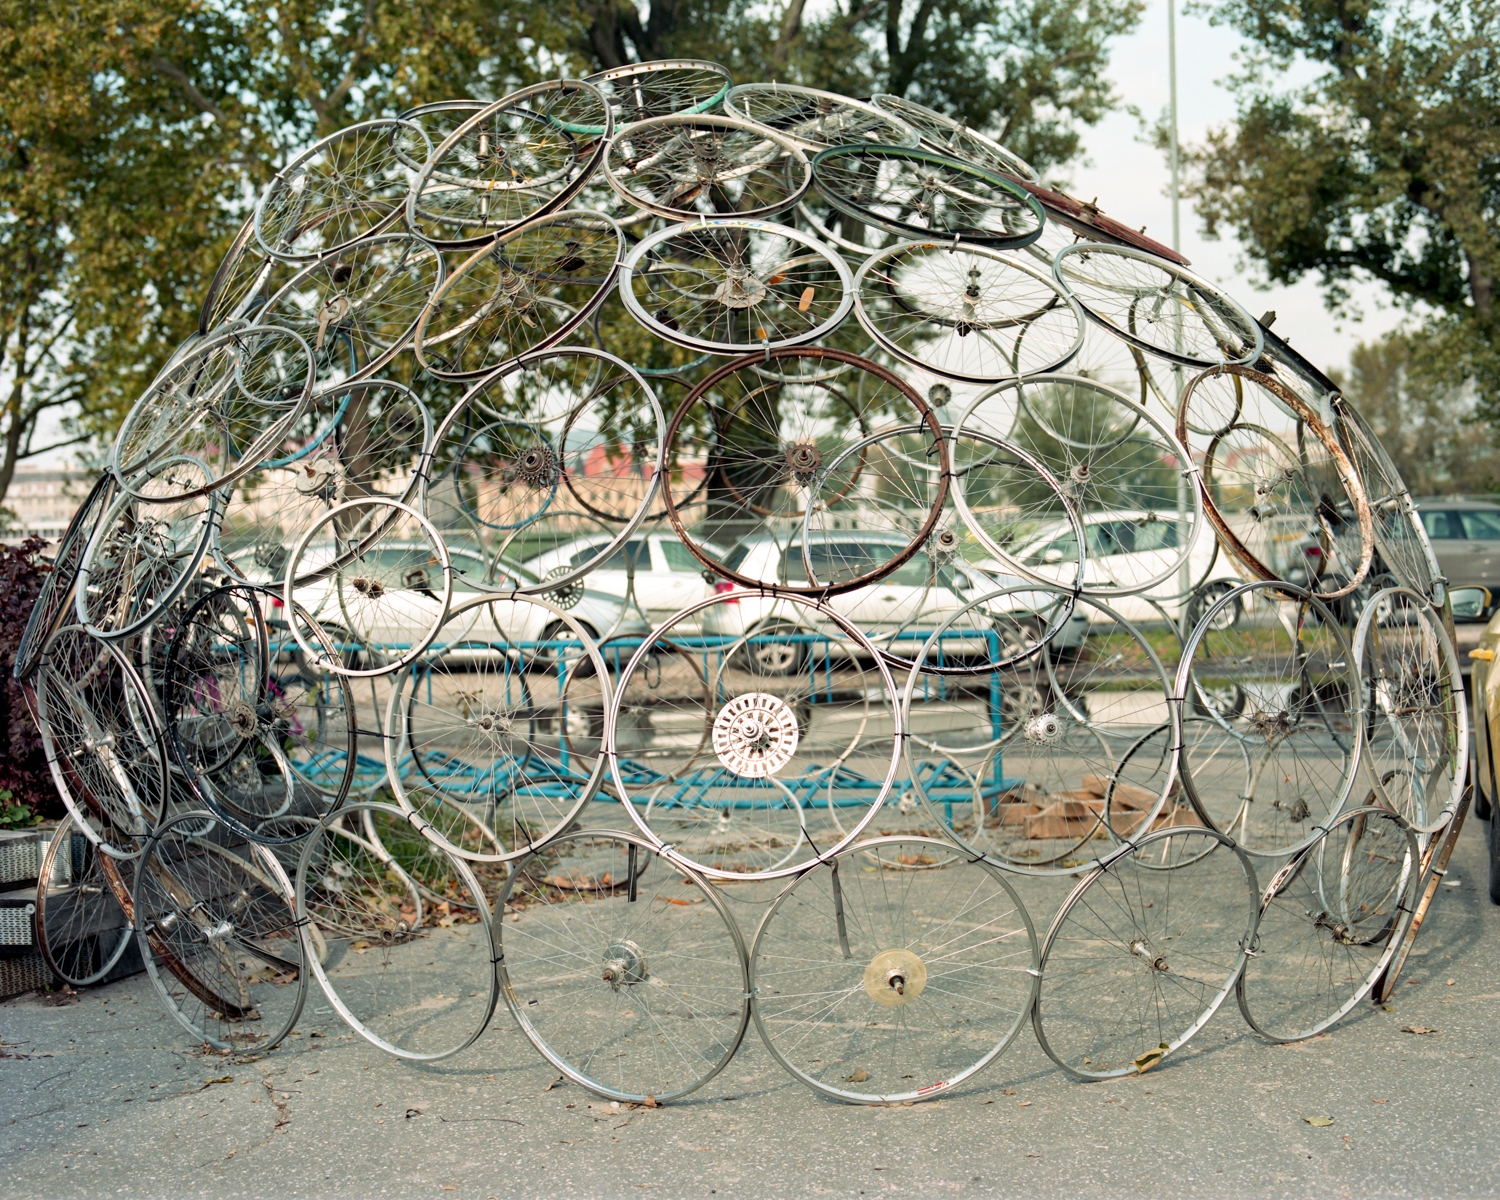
point(1480, 526)
point(845, 559)
point(1443, 526)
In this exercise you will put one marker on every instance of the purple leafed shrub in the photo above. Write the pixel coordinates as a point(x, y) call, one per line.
point(26, 790)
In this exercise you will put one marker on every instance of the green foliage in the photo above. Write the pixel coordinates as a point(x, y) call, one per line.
point(1423, 415)
point(1386, 166)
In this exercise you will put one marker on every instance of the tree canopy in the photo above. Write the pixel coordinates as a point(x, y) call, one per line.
point(1384, 166)
point(135, 135)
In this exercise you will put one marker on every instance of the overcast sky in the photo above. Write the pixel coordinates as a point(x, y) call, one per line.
point(1130, 178)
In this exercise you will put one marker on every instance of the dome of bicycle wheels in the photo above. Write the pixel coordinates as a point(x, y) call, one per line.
point(659, 537)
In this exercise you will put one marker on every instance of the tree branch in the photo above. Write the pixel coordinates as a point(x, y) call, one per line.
point(180, 77)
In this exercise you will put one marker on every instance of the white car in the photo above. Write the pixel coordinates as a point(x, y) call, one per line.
point(410, 605)
point(1124, 548)
point(897, 614)
point(667, 577)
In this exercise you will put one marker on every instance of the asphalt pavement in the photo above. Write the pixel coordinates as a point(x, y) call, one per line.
point(101, 1094)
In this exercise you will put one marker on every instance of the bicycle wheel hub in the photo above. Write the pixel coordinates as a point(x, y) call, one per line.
point(755, 735)
point(1142, 950)
point(624, 964)
point(740, 289)
point(894, 978)
point(243, 719)
point(493, 723)
point(803, 461)
point(1043, 729)
point(371, 589)
point(538, 467)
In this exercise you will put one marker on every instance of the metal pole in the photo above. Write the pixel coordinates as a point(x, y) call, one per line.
point(1172, 120)
point(1185, 572)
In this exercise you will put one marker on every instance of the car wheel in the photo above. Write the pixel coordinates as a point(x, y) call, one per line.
point(763, 654)
point(1209, 595)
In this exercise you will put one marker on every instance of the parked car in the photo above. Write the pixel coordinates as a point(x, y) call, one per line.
point(897, 613)
point(1465, 537)
point(667, 577)
point(1129, 547)
point(404, 619)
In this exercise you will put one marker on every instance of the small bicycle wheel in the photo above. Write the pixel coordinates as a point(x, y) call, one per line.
point(639, 92)
point(815, 119)
point(1282, 679)
point(625, 970)
point(879, 983)
point(358, 308)
point(417, 982)
point(104, 753)
point(947, 136)
point(527, 154)
point(387, 587)
point(1417, 721)
point(241, 285)
point(1329, 922)
point(219, 935)
point(1158, 306)
point(567, 430)
point(760, 805)
point(684, 167)
point(526, 290)
point(1143, 952)
point(916, 193)
point(56, 594)
point(81, 929)
point(339, 190)
point(145, 551)
point(731, 285)
point(480, 735)
point(224, 403)
point(966, 312)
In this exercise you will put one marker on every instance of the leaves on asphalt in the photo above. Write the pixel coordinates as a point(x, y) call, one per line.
point(1318, 1122)
point(859, 1076)
point(1146, 1061)
point(1420, 1030)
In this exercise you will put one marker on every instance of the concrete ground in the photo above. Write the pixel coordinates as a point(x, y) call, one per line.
point(100, 1094)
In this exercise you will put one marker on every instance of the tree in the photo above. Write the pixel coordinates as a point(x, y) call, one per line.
point(1386, 166)
point(133, 139)
point(1425, 421)
point(1029, 71)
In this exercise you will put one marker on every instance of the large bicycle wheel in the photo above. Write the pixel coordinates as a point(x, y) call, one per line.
point(731, 285)
point(417, 982)
point(1417, 720)
point(625, 970)
point(967, 313)
point(766, 441)
point(481, 734)
point(1160, 307)
point(82, 931)
point(1330, 921)
point(219, 934)
point(1122, 468)
point(339, 190)
point(687, 167)
point(537, 457)
point(955, 139)
point(358, 308)
point(526, 290)
point(789, 746)
point(1282, 679)
point(145, 550)
point(662, 87)
point(527, 154)
point(815, 119)
point(918, 194)
point(1144, 952)
point(895, 971)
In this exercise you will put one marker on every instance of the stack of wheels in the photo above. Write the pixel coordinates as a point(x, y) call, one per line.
point(579, 511)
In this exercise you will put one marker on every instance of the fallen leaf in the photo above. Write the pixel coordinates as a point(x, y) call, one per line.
point(1379, 1101)
point(1318, 1122)
point(859, 1076)
point(1010, 1091)
point(1024, 1104)
point(1420, 1030)
point(1149, 1059)
point(1451, 982)
point(223, 1079)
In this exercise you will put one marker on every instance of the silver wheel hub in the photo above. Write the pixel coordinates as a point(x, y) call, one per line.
point(755, 735)
point(1044, 729)
point(624, 965)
